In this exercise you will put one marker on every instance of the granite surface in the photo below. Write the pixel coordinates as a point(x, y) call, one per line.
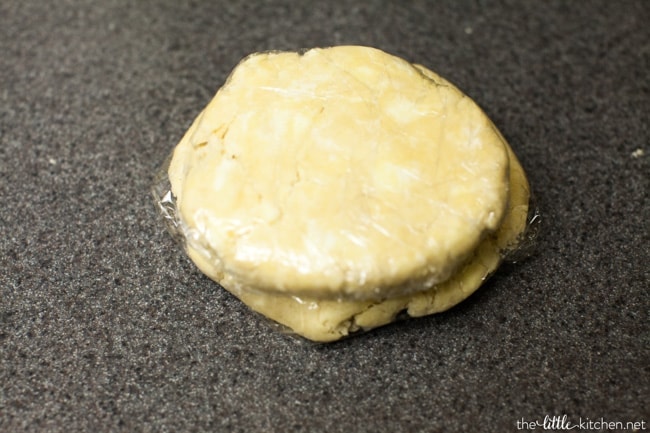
point(106, 326)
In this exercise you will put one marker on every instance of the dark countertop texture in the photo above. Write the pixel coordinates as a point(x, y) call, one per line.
point(105, 325)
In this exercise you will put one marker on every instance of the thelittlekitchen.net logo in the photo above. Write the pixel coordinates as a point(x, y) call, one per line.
point(563, 422)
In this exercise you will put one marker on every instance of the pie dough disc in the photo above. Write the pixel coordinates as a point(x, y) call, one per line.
point(340, 173)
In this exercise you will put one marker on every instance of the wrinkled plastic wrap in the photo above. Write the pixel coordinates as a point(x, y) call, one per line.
point(342, 323)
point(316, 248)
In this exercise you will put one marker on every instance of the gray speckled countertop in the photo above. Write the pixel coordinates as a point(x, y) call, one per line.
point(106, 326)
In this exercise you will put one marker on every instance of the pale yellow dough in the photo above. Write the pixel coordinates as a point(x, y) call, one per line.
point(340, 173)
point(334, 189)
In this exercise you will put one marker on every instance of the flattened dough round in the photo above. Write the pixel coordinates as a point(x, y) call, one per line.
point(342, 173)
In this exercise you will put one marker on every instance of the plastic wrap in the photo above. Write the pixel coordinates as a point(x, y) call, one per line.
point(343, 233)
